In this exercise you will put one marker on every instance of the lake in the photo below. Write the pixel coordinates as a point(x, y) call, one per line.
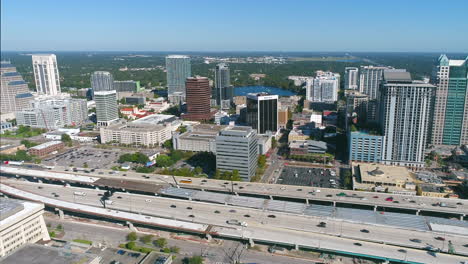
point(244, 90)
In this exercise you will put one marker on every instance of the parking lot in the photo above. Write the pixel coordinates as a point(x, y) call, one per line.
point(93, 157)
point(112, 255)
point(315, 177)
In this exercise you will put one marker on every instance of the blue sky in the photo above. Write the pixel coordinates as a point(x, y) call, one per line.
point(235, 25)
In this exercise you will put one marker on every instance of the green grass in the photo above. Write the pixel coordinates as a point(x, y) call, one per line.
point(83, 241)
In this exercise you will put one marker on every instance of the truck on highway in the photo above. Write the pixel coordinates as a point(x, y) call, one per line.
point(185, 181)
point(109, 202)
point(236, 222)
point(12, 162)
point(80, 193)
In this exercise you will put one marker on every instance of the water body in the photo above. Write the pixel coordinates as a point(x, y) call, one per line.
point(244, 90)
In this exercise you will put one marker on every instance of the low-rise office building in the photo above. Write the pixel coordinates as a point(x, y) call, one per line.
point(197, 138)
point(46, 148)
point(302, 147)
point(20, 223)
point(137, 134)
point(378, 177)
point(365, 147)
point(40, 254)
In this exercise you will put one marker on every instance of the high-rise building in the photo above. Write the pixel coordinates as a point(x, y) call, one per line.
point(102, 81)
point(46, 74)
point(351, 78)
point(223, 90)
point(198, 99)
point(177, 70)
point(323, 88)
point(53, 112)
point(356, 107)
point(450, 124)
point(12, 84)
point(106, 107)
point(236, 149)
point(262, 112)
point(369, 80)
point(405, 108)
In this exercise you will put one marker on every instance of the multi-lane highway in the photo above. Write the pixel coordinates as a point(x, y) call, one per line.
point(456, 207)
point(263, 225)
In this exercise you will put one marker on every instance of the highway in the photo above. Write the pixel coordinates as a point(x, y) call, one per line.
point(260, 225)
point(456, 207)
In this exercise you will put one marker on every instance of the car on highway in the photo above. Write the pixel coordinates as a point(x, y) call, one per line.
point(415, 240)
point(217, 212)
point(389, 199)
point(440, 238)
point(148, 200)
point(402, 250)
point(329, 195)
point(365, 231)
point(358, 244)
point(341, 194)
point(236, 222)
point(375, 197)
point(322, 224)
point(272, 216)
point(173, 206)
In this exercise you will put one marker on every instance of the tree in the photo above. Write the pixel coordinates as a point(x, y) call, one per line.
point(163, 161)
point(182, 129)
point(131, 245)
point(198, 170)
point(235, 176)
point(146, 239)
point(168, 144)
point(274, 143)
point(174, 249)
point(261, 161)
point(419, 190)
point(28, 143)
point(217, 175)
point(132, 236)
point(66, 139)
point(160, 242)
point(59, 227)
point(193, 260)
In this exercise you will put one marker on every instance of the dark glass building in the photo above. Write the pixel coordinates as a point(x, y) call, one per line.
point(198, 99)
point(262, 112)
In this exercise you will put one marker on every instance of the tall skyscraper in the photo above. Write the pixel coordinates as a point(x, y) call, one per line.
point(223, 89)
point(323, 88)
point(450, 125)
point(351, 78)
point(12, 84)
point(102, 81)
point(262, 112)
point(405, 118)
point(106, 107)
point(237, 149)
point(177, 70)
point(198, 99)
point(369, 80)
point(46, 74)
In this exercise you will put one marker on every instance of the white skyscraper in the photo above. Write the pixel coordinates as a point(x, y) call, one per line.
point(351, 78)
point(323, 88)
point(405, 108)
point(102, 81)
point(178, 70)
point(106, 107)
point(46, 74)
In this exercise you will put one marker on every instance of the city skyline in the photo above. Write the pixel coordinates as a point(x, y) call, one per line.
point(263, 26)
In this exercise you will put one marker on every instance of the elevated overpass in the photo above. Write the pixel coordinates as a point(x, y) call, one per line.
point(155, 183)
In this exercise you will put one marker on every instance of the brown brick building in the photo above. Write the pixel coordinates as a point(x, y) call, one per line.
point(46, 148)
point(198, 95)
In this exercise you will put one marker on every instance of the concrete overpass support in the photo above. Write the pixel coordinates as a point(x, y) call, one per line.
point(96, 188)
point(418, 211)
point(39, 181)
point(208, 237)
point(334, 203)
point(296, 246)
point(60, 213)
point(251, 242)
point(462, 217)
point(375, 208)
point(271, 197)
point(131, 227)
point(307, 201)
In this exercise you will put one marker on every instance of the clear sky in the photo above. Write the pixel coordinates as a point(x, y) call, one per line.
point(235, 25)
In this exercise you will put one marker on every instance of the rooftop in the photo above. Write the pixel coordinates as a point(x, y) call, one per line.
point(8, 74)
point(178, 56)
point(155, 119)
point(9, 207)
point(382, 173)
point(397, 76)
point(39, 254)
point(46, 145)
point(24, 95)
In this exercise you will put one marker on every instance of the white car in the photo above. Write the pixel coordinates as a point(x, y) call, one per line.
point(148, 200)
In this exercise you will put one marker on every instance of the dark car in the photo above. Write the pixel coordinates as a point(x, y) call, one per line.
point(415, 240)
point(440, 238)
point(173, 206)
point(272, 216)
point(365, 231)
point(357, 244)
point(322, 224)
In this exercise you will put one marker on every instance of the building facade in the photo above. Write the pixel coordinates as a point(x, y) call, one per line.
point(369, 80)
point(364, 147)
point(12, 84)
point(136, 134)
point(52, 113)
point(450, 124)
point(102, 81)
point(197, 138)
point(127, 86)
point(198, 99)
point(46, 74)
point(46, 148)
point(20, 223)
point(178, 70)
point(106, 107)
point(351, 78)
point(323, 88)
point(262, 112)
point(236, 149)
point(405, 118)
